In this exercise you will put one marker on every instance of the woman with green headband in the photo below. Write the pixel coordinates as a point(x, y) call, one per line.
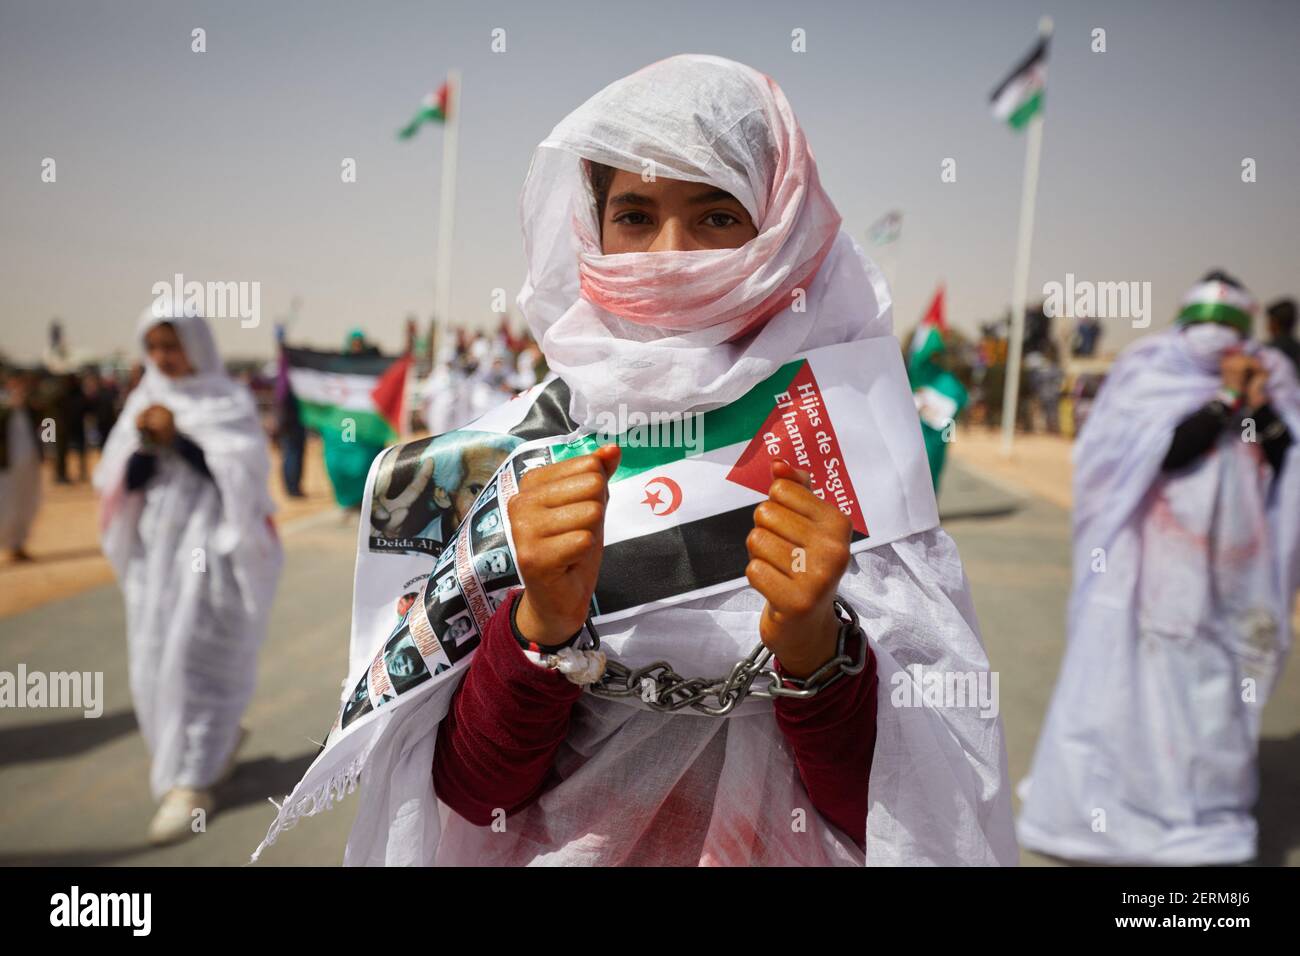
point(1186, 563)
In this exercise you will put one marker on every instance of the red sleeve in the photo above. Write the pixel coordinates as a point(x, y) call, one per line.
point(833, 735)
point(506, 721)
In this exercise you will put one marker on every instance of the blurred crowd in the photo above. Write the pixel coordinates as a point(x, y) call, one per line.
point(81, 406)
point(472, 372)
point(1062, 368)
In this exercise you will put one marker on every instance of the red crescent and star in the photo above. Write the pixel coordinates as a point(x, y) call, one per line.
point(656, 501)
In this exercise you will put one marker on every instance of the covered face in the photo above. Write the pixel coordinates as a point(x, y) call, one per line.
point(701, 323)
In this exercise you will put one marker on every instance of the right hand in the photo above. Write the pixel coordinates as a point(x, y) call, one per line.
point(1237, 370)
point(557, 521)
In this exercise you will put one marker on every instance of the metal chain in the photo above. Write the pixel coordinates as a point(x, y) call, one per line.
point(663, 689)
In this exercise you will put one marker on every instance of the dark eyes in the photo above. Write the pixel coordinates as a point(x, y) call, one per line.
point(632, 219)
point(721, 220)
point(715, 220)
point(475, 488)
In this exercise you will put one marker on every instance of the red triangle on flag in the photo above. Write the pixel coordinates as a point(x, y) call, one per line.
point(389, 392)
point(799, 429)
point(934, 315)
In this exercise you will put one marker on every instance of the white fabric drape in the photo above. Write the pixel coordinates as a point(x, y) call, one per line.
point(1179, 621)
point(641, 788)
point(197, 558)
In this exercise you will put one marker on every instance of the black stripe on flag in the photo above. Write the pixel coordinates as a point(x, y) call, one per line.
point(698, 554)
point(338, 362)
point(1037, 55)
point(549, 414)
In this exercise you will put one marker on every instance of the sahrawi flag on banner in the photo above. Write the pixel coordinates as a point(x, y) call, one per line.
point(433, 109)
point(1019, 98)
point(363, 393)
point(435, 553)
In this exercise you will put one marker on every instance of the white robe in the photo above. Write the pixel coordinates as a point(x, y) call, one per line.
point(1179, 624)
point(198, 561)
point(644, 788)
point(20, 483)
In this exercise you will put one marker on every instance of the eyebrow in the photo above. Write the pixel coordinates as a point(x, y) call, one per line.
point(715, 195)
point(631, 199)
point(637, 199)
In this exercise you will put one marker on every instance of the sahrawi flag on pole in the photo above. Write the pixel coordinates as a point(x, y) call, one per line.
point(1019, 98)
point(1019, 102)
point(433, 109)
point(362, 392)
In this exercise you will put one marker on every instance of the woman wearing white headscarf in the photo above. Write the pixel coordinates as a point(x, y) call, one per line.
point(1186, 562)
point(186, 523)
point(682, 300)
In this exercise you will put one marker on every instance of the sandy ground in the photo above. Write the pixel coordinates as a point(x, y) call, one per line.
point(1038, 464)
point(65, 539)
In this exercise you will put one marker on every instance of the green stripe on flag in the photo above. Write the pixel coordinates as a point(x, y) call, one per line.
point(729, 425)
point(426, 115)
point(369, 428)
point(1026, 111)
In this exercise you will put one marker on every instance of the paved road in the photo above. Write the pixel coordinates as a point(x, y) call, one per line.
point(75, 790)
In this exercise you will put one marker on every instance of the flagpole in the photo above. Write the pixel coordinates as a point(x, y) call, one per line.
point(1020, 281)
point(447, 207)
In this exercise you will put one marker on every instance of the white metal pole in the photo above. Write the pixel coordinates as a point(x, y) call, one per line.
point(447, 207)
point(1020, 281)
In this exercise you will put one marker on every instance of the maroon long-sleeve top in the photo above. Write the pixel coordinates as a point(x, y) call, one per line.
point(508, 718)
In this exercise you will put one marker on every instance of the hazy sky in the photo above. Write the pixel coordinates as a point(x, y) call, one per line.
point(225, 165)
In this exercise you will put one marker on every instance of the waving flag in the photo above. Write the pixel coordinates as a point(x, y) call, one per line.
point(433, 109)
point(886, 229)
point(1019, 98)
point(939, 395)
point(335, 390)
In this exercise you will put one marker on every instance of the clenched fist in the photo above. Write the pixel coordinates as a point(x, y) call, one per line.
point(1245, 375)
point(157, 422)
point(798, 550)
point(557, 521)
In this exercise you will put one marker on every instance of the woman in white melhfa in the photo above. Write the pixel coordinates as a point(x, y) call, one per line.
point(1186, 562)
point(186, 523)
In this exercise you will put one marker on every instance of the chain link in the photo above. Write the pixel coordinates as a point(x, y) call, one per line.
point(663, 689)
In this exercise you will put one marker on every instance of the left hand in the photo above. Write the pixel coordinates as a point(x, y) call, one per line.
point(799, 550)
point(157, 422)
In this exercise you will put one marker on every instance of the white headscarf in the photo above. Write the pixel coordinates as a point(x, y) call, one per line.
point(675, 331)
point(217, 414)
